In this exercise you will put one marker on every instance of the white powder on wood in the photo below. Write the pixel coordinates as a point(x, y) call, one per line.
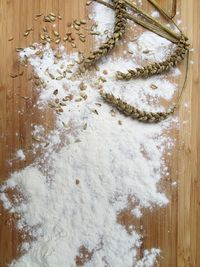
point(104, 18)
point(155, 14)
point(20, 154)
point(75, 198)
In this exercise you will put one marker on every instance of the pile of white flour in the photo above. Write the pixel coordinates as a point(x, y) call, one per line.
point(72, 195)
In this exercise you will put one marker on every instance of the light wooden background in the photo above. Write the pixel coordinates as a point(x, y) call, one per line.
point(175, 229)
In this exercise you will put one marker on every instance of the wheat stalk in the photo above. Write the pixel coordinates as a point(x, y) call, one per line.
point(164, 13)
point(154, 21)
point(135, 113)
point(119, 30)
point(157, 68)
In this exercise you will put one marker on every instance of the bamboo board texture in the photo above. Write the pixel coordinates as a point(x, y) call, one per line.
point(176, 228)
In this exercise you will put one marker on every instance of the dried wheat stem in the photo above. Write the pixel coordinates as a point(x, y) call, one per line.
point(150, 18)
point(161, 10)
point(147, 25)
point(164, 13)
point(173, 10)
point(151, 27)
point(185, 79)
point(119, 30)
point(128, 110)
point(157, 68)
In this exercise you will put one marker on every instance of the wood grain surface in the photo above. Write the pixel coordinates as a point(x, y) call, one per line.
point(176, 228)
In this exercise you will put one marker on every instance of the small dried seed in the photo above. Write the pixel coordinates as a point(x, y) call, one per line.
point(19, 49)
point(78, 100)
point(77, 22)
point(85, 126)
point(94, 33)
point(102, 79)
point(98, 104)
point(47, 19)
point(51, 105)
point(32, 47)
point(30, 29)
point(83, 21)
point(95, 111)
point(48, 39)
point(52, 76)
point(56, 33)
point(38, 15)
point(36, 139)
point(68, 71)
point(55, 92)
point(58, 55)
point(145, 51)
point(77, 27)
point(69, 33)
point(65, 39)
point(13, 75)
point(42, 37)
point(82, 86)
point(113, 112)
point(44, 28)
point(52, 18)
point(26, 33)
point(59, 72)
point(52, 14)
point(26, 98)
point(77, 182)
point(70, 97)
point(37, 82)
point(59, 78)
point(36, 77)
point(57, 41)
point(82, 39)
point(65, 124)
point(105, 72)
point(11, 38)
point(88, 3)
point(153, 86)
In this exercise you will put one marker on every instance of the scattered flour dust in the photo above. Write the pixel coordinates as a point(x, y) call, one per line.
point(72, 196)
point(20, 154)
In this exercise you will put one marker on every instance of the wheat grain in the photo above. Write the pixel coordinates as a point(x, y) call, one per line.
point(135, 113)
point(119, 29)
point(158, 68)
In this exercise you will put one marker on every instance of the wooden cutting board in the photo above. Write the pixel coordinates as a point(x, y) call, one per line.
point(176, 228)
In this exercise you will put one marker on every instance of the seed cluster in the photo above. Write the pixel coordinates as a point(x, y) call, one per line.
point(128, 110)
point(158, 68)
point(119, 29)
point(55, 37)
